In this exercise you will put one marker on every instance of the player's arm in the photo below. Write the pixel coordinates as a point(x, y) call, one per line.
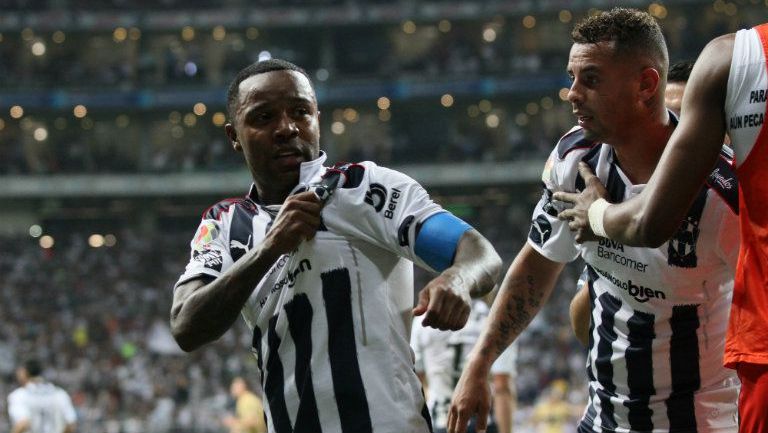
point(527, 285)
point(21, 426)
point(504, 397)
point(474, 270)
point(202, 312)
point(652, 217)
point(580, 312)
point(69, 428)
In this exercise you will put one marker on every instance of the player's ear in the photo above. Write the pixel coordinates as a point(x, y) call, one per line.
point(650, 80)
point(229, 129)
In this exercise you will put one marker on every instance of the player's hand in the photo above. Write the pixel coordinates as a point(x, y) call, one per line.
point(444, 302)
point(471, 398)
point(298, 220)
point(577, 216)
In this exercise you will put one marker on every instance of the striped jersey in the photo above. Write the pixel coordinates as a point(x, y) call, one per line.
point(746, 108)
point(47, 407)
point(441, 356)
point(659, 316)
point(331, 321)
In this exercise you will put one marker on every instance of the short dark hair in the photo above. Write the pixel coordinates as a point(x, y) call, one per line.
point(255, 69)
point(634, 31)
point(679, 72)
point(33, 367)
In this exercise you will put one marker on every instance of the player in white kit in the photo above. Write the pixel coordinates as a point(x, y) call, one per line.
point(39, 406)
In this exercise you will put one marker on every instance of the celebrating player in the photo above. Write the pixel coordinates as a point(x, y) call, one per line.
point(658, 315)
point(318, 260)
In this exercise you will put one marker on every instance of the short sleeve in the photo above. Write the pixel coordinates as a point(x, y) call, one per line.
point(209, 252)
point(18, 409)
point(548, 235)
point(382, 206)
point(67, 409)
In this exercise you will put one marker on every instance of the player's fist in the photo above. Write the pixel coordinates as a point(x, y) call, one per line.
point(444, 302)
point(298, 220)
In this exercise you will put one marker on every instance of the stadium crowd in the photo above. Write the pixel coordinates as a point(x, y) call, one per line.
point(98, 318)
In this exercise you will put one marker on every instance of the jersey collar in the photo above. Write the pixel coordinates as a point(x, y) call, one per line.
point(308, 171)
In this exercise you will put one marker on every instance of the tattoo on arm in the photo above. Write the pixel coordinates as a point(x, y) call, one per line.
point(525, 300)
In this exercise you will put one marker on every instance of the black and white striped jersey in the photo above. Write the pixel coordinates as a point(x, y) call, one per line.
point(442, 355)
point(659, 316)
point(47, 407)
point(331, 321)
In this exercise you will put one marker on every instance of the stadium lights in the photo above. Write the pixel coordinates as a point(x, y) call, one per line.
point(252, 33)
point(27, 34)
point(565, 16)
point(199, 109)
point(190, 119)
point(547, 103)
point(489, 34)
point(110, 240)
point(17, 111)
point(532, 108)
point(338, 128)
point(47, 241)
point(473, 111)
point(96, 241)
point(529, 21)
point(38, 49)
point(446, 100)
point(80, 111)
point(40, 134)
point(409, 27)
point(187, 33)
point(58, 37)
point(35, 231)
point(322, 74)
point(485, 106)
point(383, 103)
point(492, 121)
point(120, 34)
point(563, 93)
point(219, 119)
point(385, 115)
point(444, 26)
point(134, 34)
point(219, 33)
point(351, 115)
point(521, 119)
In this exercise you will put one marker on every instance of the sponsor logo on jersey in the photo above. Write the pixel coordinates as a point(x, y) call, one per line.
point(290, 276)
point(390, 211)
point(613, 251)
point(207, 233)
point(211, 259)
point(724, 182)
point(541, 230)
point(757, 96)
point(236, 244)
point(376, 196)
point(639, 292)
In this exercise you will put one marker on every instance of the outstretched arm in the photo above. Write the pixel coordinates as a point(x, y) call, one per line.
point(526, 287)
point(445, 301)
point(202, 312)
point(652, 217)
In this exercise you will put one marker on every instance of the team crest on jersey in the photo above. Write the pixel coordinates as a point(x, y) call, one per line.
point(376, 196)
point(682, 247)
point(211, 259)
point(207, 233)
point(541, 230)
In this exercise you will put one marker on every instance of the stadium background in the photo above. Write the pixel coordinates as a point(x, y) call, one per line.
point(111, 146)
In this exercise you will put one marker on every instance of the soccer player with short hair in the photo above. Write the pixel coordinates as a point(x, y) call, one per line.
point(319, 261)
point(39, 406)
point(727, 93)
point(659, 315)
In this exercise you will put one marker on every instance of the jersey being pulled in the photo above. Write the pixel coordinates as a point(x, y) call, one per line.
point(441, 356)
point(47, 407)
point(746, 110)
point(331, 320)
point(659, 316)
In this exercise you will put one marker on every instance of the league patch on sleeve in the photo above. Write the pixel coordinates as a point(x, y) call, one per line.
point(211, 259)
point(207, 233)
point(541, 230)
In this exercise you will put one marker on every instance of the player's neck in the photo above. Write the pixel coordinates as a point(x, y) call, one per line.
point(639, 154)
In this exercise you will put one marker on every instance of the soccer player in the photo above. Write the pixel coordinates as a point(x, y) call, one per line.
point(39, 406)
point(440, 357)
point(249, 412)
point(319, 261)
point(727, 93)
point(673, 97)
point(658, 315)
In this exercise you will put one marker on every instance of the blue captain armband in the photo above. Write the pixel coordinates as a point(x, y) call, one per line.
point(438, 239)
